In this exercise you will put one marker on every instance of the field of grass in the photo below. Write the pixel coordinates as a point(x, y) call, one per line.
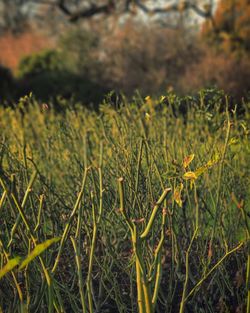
point(140, 208)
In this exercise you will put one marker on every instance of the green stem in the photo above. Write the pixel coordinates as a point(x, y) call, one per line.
point(158, 260)
point(79, 273)
point(211, 271)
point(220, 179)
point(91, 261)
point(153, 214)
point(68, 225)
point(183, 301)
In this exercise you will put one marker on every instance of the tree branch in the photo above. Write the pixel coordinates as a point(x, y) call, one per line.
point(107, 8)
point(92, 8)
point(175, 7)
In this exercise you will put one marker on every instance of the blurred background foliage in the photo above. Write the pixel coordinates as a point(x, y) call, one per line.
point(85, 59)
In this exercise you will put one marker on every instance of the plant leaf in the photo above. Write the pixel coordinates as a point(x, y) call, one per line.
point(201, 170)
point(233, 141)
point(187, 160)
point(190, 175)
point(205, 167)
point(215, 159)
point(9, 266)
point(177, 194)
point(37, 251)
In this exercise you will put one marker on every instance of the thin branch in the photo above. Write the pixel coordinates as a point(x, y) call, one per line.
point(87, 12)
point(175, 7)
point(212, 270)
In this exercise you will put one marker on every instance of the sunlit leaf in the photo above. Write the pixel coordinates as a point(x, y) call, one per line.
point(233, 141)
point(246, 131)
point(162, 98)
point(9, 266)
point(187, 160)
point(189, 175)
point(201, 170)
point(215, 159)
point(37, 251)
point(177, 194)
point(147, 117)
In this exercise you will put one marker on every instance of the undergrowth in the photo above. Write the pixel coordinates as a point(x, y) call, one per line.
point(135, 209)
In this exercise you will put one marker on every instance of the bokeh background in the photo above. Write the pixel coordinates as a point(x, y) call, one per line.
point(82, 50)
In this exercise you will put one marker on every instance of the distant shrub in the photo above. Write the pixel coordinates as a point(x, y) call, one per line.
point(225, 62)
point(224, 71)
point(6, 83)
point(146, 58)
point(39, 63)
point(230, 29)
point(80, 48)
point(47, 75)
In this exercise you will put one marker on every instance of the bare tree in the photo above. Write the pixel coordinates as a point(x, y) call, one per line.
point(16, 12)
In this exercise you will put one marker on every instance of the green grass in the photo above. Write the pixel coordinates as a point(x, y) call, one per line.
point(151, 206)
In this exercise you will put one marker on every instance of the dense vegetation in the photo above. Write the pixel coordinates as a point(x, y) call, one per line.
point(150, 201)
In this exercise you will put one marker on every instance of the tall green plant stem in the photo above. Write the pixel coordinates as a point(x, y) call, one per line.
point(184, 292)
point(138, 166)
point(79, 273)
point(158, 260)
point(244, 216)
point(91, 260)
point(183, 302)
point(217, 202)
point(248, 278)
point(146, 301)
point(139, 272)
point(212, 270)
point(96, 217)
point(153, 214)
point(12, 199)
point(25, 198)
point(19, 291)
point(69, 223)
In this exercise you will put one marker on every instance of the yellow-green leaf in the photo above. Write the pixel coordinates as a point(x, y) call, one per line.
point(215, 159)
point(233, 141)
point(209, 164)
point(147, 116)
point(9, 266)
point(177, 194)
point(187, 160)
point(201, 170)
point(162, 98)
point(189, 175)
point(37, 251)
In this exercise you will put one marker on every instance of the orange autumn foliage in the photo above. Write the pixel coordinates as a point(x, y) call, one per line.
point(225, 71)
point(14, 46)
point(231, 27)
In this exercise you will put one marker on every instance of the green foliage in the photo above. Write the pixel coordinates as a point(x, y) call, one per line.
point(128, 246)
point(40, 63)
point(40, 248)
point(9, 266)
point(50, 74)
point(79, 50)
